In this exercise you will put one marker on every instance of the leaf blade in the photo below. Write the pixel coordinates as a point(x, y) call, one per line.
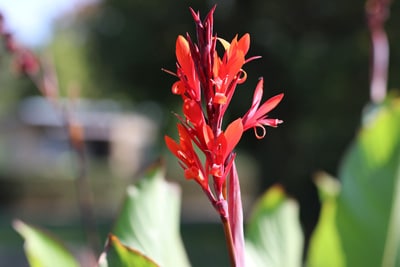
point(370, 178)
point(325, 245)
point(274, 237)
point(42, 249)
point(149, 220)
point(118, 255)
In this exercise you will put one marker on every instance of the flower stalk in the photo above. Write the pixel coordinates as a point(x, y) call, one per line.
point(377, 12)
point(206, 84)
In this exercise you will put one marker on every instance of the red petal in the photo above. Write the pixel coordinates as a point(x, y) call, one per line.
point(217, 65)
point(234, 65)
point(195, 173)
point(244, 43)
point(233, 46)
point(172, 145)
point(193, 112)
point(178, 88)
point(258, 92)
point(184, 138)
point(233, 133)
point(271, 122)
point(182, 50)
point(192, 173)
point(219, 98)
point(207, 135)
point(269, 105)
point(220, 148)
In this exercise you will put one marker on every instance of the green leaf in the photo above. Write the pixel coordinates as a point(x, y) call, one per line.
point(274, 237)
point(149, 220)
point(118, 255)
point(360, 225)
point(325, 248)
point(43, 250)
point(368, 212)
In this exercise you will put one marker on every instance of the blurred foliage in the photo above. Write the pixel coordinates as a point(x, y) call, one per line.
point(149, 219)
point(68, 51)
point(274, 236)
point(117, 254)
point(359, 223)
point(12, 85)
point(325, 245)
point(42, 249)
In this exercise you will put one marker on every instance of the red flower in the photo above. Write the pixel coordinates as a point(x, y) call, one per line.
point(219, 153)
point(258, 116)
point(188, 83)
point(229, 68)
point(206, 84)
point(189, 160)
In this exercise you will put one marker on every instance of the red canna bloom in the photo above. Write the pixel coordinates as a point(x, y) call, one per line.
point(220, 156)
point(206, 83)
point(229, 68)
point(258, 116)
point(189, 160)
point(188, 84)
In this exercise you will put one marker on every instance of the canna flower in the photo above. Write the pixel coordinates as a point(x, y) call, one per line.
point(258, 116)
point(229, 68)
point(205, 150)
point(206, 83)
point(189, 160)
point(188, 83)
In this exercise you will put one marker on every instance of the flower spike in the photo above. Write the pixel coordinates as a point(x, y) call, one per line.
point(207, 82)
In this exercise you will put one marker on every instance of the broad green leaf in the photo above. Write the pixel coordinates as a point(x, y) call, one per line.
point(325, 247)
point(149, 220)
point(360, 225)
point(274, 237)
point(118, 255)
point(368, 211)
point(43, 250)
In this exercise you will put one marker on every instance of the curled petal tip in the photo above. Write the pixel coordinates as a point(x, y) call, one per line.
point(272, 122)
